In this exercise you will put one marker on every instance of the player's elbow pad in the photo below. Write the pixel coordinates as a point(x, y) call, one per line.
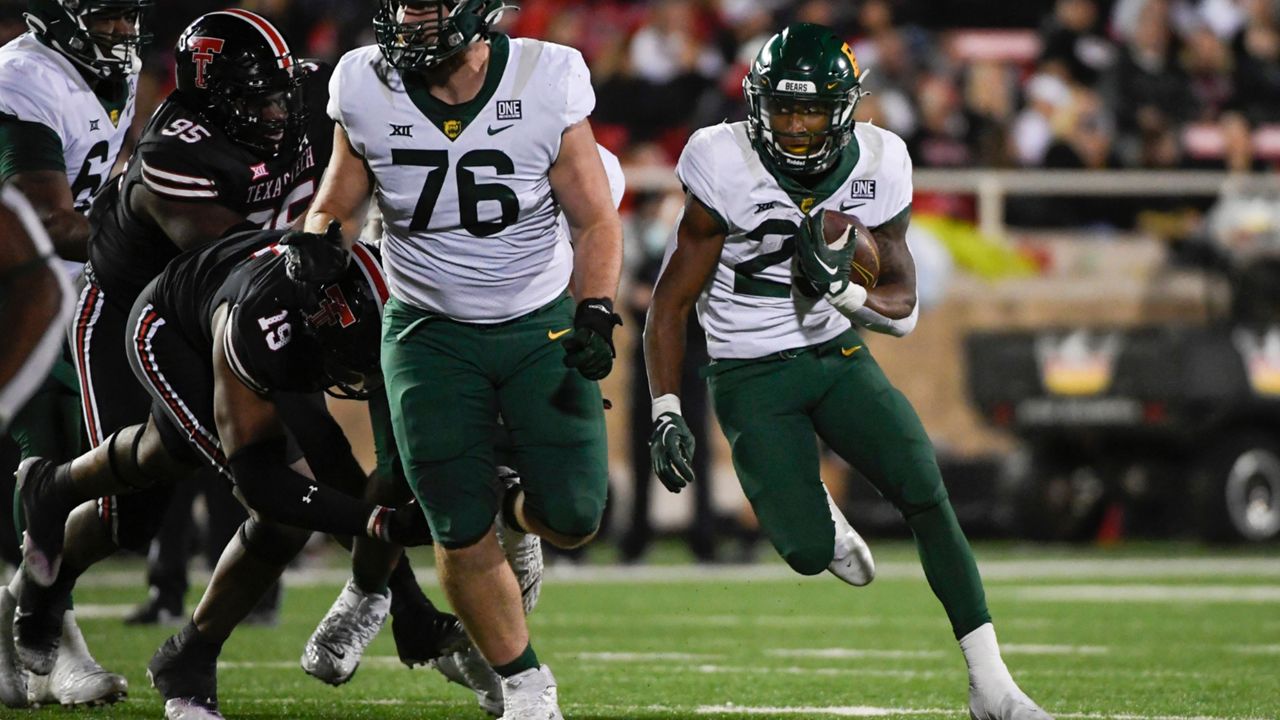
point(277, 492)
point(874, 321)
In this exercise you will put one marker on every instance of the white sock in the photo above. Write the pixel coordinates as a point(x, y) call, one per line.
point(982, 655)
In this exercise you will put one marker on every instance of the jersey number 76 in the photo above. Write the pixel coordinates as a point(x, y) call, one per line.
point(470, 192)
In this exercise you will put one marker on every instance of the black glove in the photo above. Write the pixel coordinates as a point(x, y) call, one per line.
point(405, 526)
point(820, 263)
point(312, 258)
point(589, 348)
point(671, 449)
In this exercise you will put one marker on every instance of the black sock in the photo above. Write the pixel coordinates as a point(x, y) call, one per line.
point(526, 661)
point(406, 594)
point(191, 640)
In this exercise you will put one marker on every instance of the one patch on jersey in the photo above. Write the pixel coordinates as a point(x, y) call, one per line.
point(509, 110)
point(862, 189)
point(452, 129)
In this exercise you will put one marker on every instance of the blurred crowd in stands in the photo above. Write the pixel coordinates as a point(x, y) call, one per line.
point(1036, 83)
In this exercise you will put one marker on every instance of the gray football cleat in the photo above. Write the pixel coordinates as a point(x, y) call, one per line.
point(469, 669)
point(531, 695)
point(334, 651)
point(522, 550)
point(77, 679)
point(13, 677)
point(852, 562)
point(190, 709)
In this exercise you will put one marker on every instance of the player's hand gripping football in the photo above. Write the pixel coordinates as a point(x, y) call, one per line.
point(589, 348)
point(405, 526)
point(821, 263)
point(671, 449)
point(314, 258)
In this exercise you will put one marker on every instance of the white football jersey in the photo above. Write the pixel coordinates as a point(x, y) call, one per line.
point(39, 85)
point(750, 307)
point(470, 223)
point(20, 388)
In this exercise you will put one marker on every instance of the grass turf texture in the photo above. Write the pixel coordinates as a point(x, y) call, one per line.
point(1088, 633)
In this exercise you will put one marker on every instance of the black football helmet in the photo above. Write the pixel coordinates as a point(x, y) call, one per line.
point(68, 27)
point(346, 323)
point(450, 26)
point(236, 69)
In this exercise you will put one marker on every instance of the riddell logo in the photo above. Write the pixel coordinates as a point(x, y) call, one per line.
point(202, 52)
point(333, 308)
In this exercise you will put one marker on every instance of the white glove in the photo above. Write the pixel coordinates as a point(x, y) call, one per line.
point(849, 300)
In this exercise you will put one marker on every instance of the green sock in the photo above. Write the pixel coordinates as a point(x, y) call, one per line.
point(950, 568)
point(526, 661)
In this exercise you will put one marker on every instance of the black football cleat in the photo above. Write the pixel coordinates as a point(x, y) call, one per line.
point(37, 626)
point(46, 513)
point(424, 634)
point(185, 672)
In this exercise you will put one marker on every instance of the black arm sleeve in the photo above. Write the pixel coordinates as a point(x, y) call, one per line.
point(277, 492)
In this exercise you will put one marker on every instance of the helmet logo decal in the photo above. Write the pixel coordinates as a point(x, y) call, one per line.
point(333, 308)
point(203, 50)
point(848, 52)
point(798, 86)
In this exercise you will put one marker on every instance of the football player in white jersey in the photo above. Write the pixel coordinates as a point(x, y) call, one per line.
point(472, 143)
point(67, 92)
point(777, 305)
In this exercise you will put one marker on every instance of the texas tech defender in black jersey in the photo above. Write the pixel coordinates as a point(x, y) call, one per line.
point(219, 339)
point(234, 146)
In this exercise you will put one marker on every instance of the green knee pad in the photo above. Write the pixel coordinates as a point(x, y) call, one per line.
point(576, 514)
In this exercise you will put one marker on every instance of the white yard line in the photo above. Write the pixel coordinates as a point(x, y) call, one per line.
point(1145, 593)
point(854, 654)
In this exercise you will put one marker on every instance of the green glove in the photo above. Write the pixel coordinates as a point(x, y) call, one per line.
point(671, 449)
point(589, 348)
point(820, 263)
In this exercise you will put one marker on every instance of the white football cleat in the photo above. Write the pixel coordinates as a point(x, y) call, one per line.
point(1007, 703)
point(993, 695)
point(334, 651)
point(77, 679)
point(523, 550)
point(852, 562)
point(531, 695)
point(190, 709)
point(13, 677)
point(469, 669)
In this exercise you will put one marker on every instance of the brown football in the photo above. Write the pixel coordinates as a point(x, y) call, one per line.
point(865, 270)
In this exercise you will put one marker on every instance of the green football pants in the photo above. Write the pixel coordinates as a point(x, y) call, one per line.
point(447, 382)
point(771, 409)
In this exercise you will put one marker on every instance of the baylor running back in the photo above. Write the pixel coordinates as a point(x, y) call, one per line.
point(39, 85)
point(463, 189)
point(751, 309)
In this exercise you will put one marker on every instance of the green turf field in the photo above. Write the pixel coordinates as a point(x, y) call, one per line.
point(1149, 632)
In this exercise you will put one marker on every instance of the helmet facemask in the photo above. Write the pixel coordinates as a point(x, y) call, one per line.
point(88, 33)
point(779, 123)
point(267, 118)
point(421, 34)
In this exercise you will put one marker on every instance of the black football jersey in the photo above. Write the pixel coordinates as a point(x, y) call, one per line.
point(264, 339)
point(184, 158)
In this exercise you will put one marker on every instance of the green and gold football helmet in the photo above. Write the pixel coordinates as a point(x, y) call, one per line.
point(801, 76)
point(68, 27)
point(450, 26)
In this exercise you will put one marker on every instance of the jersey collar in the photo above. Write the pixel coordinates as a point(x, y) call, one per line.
point(453, 119)
point(805, 197)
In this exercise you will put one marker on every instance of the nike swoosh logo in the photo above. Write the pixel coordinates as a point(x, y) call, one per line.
point(850, 351)
point(829, 268)
point(557, 334)
point(850, 206)
point(495, 131)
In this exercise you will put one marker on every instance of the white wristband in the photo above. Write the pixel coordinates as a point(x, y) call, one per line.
point(668, 403)
point(849, 300)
